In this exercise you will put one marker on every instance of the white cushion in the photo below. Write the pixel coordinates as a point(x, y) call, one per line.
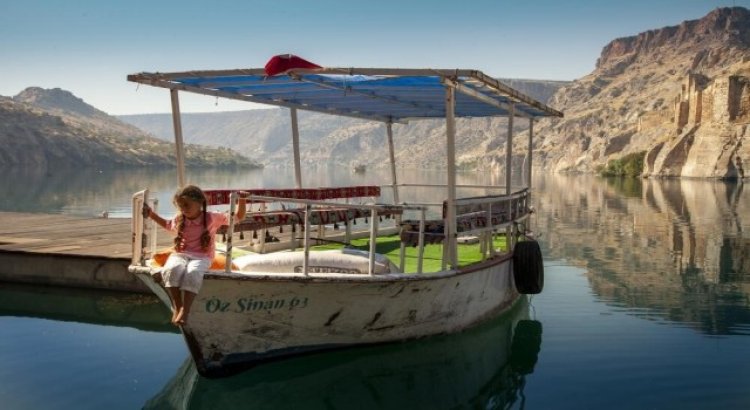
point(339, 261)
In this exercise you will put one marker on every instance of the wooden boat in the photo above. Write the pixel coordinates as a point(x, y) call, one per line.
point(485, 364)
point(265, 306)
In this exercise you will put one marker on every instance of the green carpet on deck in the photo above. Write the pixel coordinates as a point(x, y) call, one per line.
point(390, 246)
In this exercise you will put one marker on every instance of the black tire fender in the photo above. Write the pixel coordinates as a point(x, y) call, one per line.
point(528, 267)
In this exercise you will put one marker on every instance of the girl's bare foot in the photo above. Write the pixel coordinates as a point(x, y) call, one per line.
point(181, 317)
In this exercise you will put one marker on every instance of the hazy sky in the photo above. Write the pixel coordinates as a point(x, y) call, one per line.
point(89, 46)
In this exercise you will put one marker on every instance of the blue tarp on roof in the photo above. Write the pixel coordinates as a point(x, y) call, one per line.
point(396, 95)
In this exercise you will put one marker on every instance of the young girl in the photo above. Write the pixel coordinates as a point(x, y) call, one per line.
point(195, 246)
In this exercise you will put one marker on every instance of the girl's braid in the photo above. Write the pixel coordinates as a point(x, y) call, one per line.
point(192, 193)
point(205, 236)
point(178, 240)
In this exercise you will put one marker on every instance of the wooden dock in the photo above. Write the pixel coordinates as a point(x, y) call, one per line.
point(62, 250)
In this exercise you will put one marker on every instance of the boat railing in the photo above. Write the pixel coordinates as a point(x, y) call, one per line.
point(504, 208)
point(480, 186)
point(277, 214)
point(481, 217)
point(489, 214)
point(325, 211)
point(221, 196)
point(492, 193)
point(311, 211)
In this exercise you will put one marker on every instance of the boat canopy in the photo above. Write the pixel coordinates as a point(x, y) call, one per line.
point(381, 94)
point(389, 95)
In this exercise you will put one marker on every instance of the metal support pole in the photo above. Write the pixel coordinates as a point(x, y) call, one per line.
point(509, 175)
point(295, 148)
point(420, 243)
point(230, 232)
point(155, 208)
point(528, 163)
point(389, 128)
point(179, 148)
point(373, 239)
point(306, 237)
point(509, 150)
point(450, 132)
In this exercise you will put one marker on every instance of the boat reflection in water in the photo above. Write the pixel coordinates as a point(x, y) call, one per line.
point(483, 367)
point(139, 311)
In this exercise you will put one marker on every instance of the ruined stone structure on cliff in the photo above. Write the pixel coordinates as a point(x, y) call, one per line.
point(681, 94)
point(706, 129)
point(723, 100)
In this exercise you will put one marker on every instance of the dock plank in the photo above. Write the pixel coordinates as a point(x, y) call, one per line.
point(68, 235)
point(68, 251)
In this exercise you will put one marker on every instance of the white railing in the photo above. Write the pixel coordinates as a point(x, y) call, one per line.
point(476, 216)
point(375, 210)
point(139, 238)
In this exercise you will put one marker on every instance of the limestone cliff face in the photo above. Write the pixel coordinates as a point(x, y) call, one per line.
point(728, 25)
point(679, 94)
point(708, 127)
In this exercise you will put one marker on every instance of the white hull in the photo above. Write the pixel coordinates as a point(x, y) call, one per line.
point(485, 364)
point(239, 320)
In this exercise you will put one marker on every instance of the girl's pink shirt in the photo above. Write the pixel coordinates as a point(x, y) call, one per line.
point(193, 230)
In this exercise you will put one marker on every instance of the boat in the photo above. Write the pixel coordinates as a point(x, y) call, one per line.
point(288, 296)
point(486, 366)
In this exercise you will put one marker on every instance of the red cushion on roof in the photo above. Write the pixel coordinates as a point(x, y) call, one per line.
point(284, 62)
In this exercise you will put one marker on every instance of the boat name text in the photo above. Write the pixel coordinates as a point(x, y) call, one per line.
point(216, 305)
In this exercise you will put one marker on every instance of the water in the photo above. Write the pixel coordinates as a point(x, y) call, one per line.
point(646, 305)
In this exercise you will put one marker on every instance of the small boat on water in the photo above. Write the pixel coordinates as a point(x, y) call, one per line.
point(486, 366)
point(278, 301)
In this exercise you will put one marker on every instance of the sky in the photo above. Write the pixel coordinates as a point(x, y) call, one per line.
point(88, 47)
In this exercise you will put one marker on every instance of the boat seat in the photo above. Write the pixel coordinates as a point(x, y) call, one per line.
point(330, 261)
point(158, 259)
point(295, 217)
point(434, 231)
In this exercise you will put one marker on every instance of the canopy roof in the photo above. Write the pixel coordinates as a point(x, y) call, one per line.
point(380, 94)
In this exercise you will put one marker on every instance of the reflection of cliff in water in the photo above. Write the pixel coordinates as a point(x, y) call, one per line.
point(88, 192)
point(678, 247)
point(64, 189)
point(484, 367)
point(144, 312)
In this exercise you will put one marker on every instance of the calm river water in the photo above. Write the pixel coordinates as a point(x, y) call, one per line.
point(646, 305)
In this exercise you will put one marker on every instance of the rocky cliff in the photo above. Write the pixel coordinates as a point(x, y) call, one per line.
point(677, 95)
point(53, 128)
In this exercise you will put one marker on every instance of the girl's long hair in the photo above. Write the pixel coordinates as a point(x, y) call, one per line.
point(195, 194)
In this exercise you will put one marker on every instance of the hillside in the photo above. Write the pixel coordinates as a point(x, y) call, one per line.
point(53, 128)
point(678, 95)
